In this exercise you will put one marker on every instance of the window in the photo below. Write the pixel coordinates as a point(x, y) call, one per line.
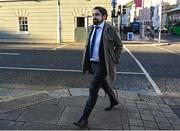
point(80, 21)
point(23, 24)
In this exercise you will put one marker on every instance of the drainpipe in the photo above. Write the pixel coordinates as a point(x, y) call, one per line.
point(58, 24)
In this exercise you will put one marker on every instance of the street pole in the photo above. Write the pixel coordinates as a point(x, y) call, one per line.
point(160, 21)
point(113, 11)
point(143, 21)
point(119, 17)
point(119, 22)
point(58, 23)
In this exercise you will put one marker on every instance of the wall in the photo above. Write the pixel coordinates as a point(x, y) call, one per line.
point(70, 9)
point(42, 21)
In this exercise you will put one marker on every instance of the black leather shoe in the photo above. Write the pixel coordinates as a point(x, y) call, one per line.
point(81, 123)
point(111, 106)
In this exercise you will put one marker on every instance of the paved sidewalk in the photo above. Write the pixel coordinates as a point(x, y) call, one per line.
point(58, 109)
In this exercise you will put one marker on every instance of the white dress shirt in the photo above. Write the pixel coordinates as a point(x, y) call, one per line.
point(95, 56)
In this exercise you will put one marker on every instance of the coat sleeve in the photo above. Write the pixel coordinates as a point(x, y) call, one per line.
point(118, 46)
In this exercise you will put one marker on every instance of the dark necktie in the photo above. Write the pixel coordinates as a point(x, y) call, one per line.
point(93, 41)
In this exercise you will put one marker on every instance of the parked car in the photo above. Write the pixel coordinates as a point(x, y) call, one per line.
point(163, 29)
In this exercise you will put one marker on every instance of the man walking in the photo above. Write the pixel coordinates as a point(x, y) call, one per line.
point(101, 55)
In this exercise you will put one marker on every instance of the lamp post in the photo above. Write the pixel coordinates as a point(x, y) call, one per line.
point(143, 21)
point(113, 3)
point(160, 21)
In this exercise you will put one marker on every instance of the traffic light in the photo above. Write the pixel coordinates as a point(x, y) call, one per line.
point(119, 10)
point(113, 13)
point(124, 9)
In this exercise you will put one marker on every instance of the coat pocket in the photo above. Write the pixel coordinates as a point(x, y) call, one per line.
point(112, 55)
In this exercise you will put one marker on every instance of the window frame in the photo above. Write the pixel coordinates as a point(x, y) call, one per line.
point(23, 21)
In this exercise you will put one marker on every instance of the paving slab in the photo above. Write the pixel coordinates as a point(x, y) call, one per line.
point(12, 115)
point(134, 115)
point(165, 126)
point(80, 101)
point(70, 115)
point(8, 125)
point(54, 101)
point(170, 115)
point(157, 113)
point(48, 114)
point(148, 117)
point(161, 120)
point(137, 128)
point(132, 110)
point(154, 107)
point(176, 109)
point(23, 102)
point(128, 95)
point(40, 126)
point(110, 120)
point(135, 122)
point(145, 112)
point(131, 104)
point(58, 110)
point(150, 125)
point(142, 106)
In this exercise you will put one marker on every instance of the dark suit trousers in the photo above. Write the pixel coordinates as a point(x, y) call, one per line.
point(99, 80)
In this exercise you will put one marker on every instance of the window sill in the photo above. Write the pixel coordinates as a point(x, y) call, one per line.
point(23, 33)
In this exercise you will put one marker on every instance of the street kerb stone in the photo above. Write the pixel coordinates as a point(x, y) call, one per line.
point(48, 114)
point(24, 101)
point(171, 100)
point(151, 99)
point(79, 92)
point(59, 93)
point(8, 92)
point(28, 93)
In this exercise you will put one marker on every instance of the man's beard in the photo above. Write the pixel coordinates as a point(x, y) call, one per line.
point(96, 21)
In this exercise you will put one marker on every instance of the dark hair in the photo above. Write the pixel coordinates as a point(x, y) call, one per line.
point(102, 10)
